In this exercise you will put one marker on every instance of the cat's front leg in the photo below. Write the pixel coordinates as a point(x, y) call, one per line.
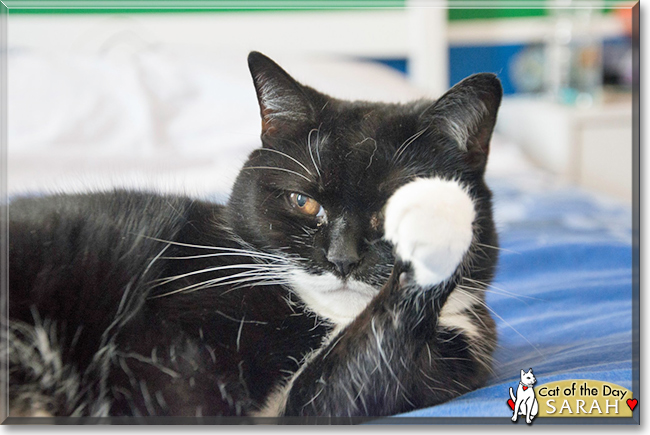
point(518, 410)
point(395, 356)
point(531, 410)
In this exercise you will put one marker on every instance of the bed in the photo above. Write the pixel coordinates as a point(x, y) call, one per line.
point(182, 120)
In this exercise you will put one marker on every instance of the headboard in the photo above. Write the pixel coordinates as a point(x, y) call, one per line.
point(416, 34)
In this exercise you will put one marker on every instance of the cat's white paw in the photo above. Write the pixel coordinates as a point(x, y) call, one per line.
point(429, 221)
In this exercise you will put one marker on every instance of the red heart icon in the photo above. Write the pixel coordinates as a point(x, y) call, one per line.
point(632, 403)
point(511, 404)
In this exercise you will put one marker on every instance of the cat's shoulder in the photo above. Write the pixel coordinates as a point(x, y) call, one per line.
point(117, 207)
point(114, 225)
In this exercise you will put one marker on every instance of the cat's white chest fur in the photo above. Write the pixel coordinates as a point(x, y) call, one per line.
point(330, 297)
point(429, 221)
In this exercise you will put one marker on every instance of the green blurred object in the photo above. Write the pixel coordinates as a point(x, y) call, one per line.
point(483, 14)
point(457, 12)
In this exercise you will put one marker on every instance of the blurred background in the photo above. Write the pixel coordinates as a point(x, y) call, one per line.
point(160, 97)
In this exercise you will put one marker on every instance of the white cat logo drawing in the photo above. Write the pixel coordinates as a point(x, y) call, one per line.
point(525, 403)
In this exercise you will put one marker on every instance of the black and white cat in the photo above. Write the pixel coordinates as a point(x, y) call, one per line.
point(344, 277)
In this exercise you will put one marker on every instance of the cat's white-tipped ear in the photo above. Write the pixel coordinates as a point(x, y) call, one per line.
point(467, 114)
point(522, 372)
point(282, 99)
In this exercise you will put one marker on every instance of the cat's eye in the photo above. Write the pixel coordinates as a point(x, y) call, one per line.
point(306, 205)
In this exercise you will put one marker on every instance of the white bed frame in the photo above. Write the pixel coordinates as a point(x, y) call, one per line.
point(417, 33)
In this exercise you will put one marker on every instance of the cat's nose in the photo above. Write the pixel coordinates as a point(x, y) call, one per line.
point(343, 250)
point(343, 264)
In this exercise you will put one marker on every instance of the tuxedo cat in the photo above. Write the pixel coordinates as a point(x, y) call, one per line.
point(344, 277)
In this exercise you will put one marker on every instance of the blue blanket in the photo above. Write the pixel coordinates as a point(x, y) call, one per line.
point(562, 297)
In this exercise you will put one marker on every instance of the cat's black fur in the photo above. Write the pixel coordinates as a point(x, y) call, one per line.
point(99, 327)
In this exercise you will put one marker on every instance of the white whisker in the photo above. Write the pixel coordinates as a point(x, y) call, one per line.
point(257, 276)
point(511, 327)
point(311, 154)
point(492, 291)
point(318, 143)
point(498, 248)
point(274, 281)
point(219, 248)
point(220, 254)
point(277, 169)
point(255, 267)
point(501, 289)
point(289, 157)
point(407, 143)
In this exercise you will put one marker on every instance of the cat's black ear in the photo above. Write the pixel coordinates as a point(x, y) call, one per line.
point(467, 114)
point(282, 100)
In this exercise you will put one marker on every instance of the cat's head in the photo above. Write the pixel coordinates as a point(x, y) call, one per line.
point(316, 189)
point(528, 377)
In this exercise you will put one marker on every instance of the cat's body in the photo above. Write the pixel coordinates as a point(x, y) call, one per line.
point(344, 277)
point(177, 345)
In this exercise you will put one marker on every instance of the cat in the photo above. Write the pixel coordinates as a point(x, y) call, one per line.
point(525, 402)
point(345, 276)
